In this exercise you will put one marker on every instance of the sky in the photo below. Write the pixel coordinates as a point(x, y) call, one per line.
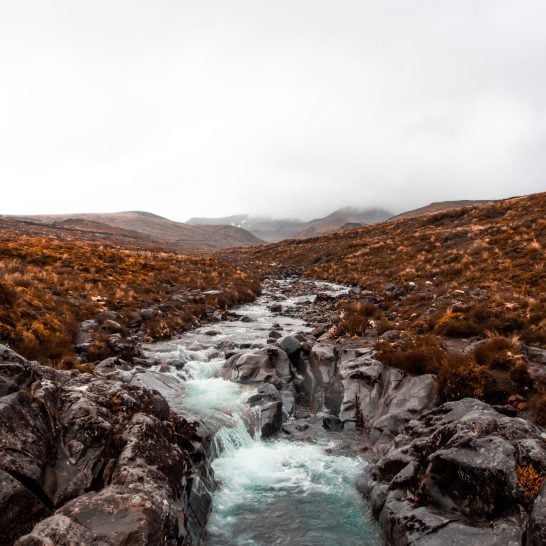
point(280, 108)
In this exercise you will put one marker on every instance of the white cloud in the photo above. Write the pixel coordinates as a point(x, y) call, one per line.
point(211, 108)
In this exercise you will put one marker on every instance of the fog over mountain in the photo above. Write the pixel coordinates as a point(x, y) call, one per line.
point(283, 109)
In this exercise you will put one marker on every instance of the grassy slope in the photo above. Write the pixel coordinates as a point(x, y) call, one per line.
point(486, 259)
point(51, 279)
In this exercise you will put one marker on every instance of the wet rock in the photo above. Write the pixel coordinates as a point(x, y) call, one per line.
point(97, 442)
point(274, 334)
point(388, 398)
point(275, 308)
point(212, 333)
point(258, 366)
point(267, 402)
point(288, 396)
point(289, 344)
point(332, 423)
point(460, 460)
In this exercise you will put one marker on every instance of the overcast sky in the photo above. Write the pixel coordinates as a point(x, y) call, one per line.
point(292, 108)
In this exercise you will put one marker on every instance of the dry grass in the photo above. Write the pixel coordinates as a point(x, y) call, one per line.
point(530, 481)
point(477, 269)
point(49, 284)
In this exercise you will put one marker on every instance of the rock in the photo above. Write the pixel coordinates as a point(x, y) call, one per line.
point(390, 335)
point(275, 308)
point(212, 333)
point(332, 423)
point(126, 348)
point(289, 344)
point(460, 459)
point(388, 398)
point(90, 447)
point(246, 318)
point(113, 327)
point(536, 532)
point(288, 396)
point(267, 403)
point(274, 334)
point(148, 314)
point(261, 366)
point(20, 508)
point(87, 325)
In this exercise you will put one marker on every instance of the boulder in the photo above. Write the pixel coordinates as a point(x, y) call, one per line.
point(102, 461)
point(267, 405)
point(259, 366)
point(450, 478)
point(386, 398)
point(289, 344)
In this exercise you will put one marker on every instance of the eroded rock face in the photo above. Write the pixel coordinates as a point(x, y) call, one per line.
point(102, 461)
point(388, 398)
point(450, 478)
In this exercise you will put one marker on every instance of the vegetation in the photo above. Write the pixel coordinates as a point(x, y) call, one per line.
point(530, 481)
point(458, 273)
point(50, 283)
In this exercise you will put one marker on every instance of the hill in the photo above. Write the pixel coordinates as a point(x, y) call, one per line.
point(485, 261)
point(272, 230)
point(149, 227)
point(437, 207)
point(52, 278)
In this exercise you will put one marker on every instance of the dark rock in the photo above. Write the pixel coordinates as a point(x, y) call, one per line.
point(118, 451)
point(536, 532)
point(148, 314)
point(332, 423)
point(275, 334)
point(258, 366)
point(289, 344)
point(275, 308)
point(460, 460)
point(268, 403)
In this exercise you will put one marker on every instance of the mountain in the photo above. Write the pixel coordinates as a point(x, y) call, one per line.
point(272, 230)
point(438, 207)
point(151, 228)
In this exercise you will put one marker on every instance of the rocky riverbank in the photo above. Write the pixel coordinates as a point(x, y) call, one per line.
point(113, 457)
point(89, 460)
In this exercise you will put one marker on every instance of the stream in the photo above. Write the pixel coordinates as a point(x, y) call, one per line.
point(273, 491)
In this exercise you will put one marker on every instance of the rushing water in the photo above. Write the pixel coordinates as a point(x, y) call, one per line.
point(276, 491)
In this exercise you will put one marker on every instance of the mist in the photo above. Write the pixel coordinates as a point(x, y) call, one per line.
point(283, 109)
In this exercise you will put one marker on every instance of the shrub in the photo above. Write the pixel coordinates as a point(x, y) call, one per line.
point(460, 377)
point(417, 355)
point(498, 353)
point(521, 377)
point(353, 319)
point(530, 481)
point(456, 325)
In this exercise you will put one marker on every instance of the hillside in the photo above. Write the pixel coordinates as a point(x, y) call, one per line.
point(485, 261)
point(53, 278)
point(272, 230)
point(150, 227)
point(437, 207)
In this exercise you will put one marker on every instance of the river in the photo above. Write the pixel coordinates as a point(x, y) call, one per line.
point(274, 491)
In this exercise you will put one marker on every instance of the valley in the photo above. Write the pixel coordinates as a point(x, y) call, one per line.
point(383, 384)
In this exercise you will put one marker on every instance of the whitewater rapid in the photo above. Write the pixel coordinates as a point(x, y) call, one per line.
point(275, 491)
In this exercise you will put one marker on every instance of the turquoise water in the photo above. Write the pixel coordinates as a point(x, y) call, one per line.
point(275, 491)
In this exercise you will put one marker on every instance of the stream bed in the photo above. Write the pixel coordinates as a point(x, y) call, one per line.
point(277, 490)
